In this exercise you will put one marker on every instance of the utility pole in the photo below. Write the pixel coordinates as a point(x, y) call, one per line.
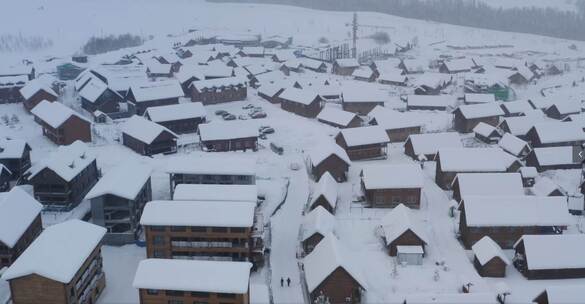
point(354, 30)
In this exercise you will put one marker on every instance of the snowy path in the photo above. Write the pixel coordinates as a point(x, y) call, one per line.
point(285, 233)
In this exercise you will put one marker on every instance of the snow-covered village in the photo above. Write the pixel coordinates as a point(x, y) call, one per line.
point(241, 153)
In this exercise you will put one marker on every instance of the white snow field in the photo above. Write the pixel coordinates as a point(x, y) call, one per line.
point(447, 266)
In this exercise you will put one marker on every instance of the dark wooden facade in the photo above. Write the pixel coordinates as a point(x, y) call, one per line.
point(532, 161)
point(333, 164)
point(90, 279)
point(342, 70)
point(159, 296)
point(73, 129)
point(323, 202)
point(165, 143)
point(10, 92)
point(222, 94)
point(18, 166)
point(338, 287)
point(543, 274)
point(465, 125)
point(360, 107)
point(408, 238)
point(108, 102)
point(362, 152)
point(139, 107)
point(390, 198)
point(9, 254)
point(494, 268)
point(235, 144)
point(36, 98)
point(56, 193)
point(534, 139)
point(306, 110)
point(312, 241)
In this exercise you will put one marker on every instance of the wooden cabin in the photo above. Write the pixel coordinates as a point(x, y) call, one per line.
point(189, 281)
point(219, 90)
point(456, 66)
point(562, 110)
point(192, 229)
point(316, 225)
point(228, 136)
point(20, 221)
point(451, 161)
point(329, 158)
point(393, 76)
point(556, 134)
point(62, 179)
point(15, 156)
point(545, 186)
point(560, 294)
point(550, 257)
point(180, 118)
point(325, 194)
point(430, 102)
point(331, 273)
point(305, 103)
point(10, 87)
point(521, 76)
point(474, 184)
point(529, 175)
point(554, 158)
point(514, 145)
point(387, 186)
point(488, 258)
point(117, 201)
point(520, 125)
point(5, 177)
point(363, 142)
point(487, 133)
point(362, 99)
point(35, 91)
point(466, 117)
point(61, 124)
point(97, 96)
point(345, 67)
point(152, 94)
point(400, 230)
point(484, 216)
point(398, 126)
point(314, 65)
point(270, 92)
point(516, 108)
point(365, 73)
point(148, 138)
point(339, 118)
point(63, 265)
point(425, 146)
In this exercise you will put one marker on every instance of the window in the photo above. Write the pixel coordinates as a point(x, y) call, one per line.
point(158, 228)
point(158, 240)
point(175, 302)
point(158, 254)
point(198, 229)
point(200, 294)
point(219, 229)
point(178, 228)
point(226, 295)
point(174, 293)
point(238, 230)
point(152, 291)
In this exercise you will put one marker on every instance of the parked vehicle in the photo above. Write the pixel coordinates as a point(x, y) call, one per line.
point(243, 117)
point(276, 148)
point(257, 115)
point(248, 106)
point(221, 112)
point(266, 130)
point(229, 117)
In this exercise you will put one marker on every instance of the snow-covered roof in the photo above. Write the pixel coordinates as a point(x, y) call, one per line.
point(515, 211)
point(520, 125)
point(219, 83)
point(321, 152)
point(336, 115)
point(93, 89)
point(327, 256)
point(518, 106)
point(363, 72)
point(156, 90)
point(67, 161)
point(124, 180)
point(554, 132)
point(390, 119)
point(512, 144)
point(567, 107)
point(10, 81)
point(398, 221)
point(363, 92)
point(54, 113)
point(483, 184)
point(326, 187)
point(484, 129)
point(392, 75)
point(479, 98)
point(193, 275)
point(17, 211)
point(198, 214)
point(319, 221)
point(176, 112)
point(430, 143)
point(564, 294)
point(544, 186)
point(143, 129)
point(480, 110)
point(455, 298)
point(269, 89)
point(34, 86)
point(528, 172)
point(395, 176)
point(475, 160)
point(486, 249)
point(431, 101)
point(540, 102)
point(347, 62)
point(212, 164)
point(301, 96)
point(12, 148)
point(462, 64)
point(228, 130)
point(312, 63)
point(59, 252)
point(155, 67)
point(559, 251)
point(551, 156)
point(212, 192)
point(365, 136)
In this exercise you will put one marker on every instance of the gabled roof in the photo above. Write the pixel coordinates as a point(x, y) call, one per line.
point(395, 176)
point(486, 249)
point(54, 113)
point(67, 161)
point(457, 65)
point(567, 107)
point(391, 120)
point(93, 89)
point(431, 101)
point(475, 160)
point(319, 221)
point(518, 106)
point(227, 130)
point(218, 83)
point(512, 144)
point(321, 152)
point(216, 192)
point(156, 90)
point(336, 115)
point(483, 184)
point(327, 256)
point(305, 97)
point(484, 129)
point(143, 129)
point(59, 252)
point(176, 112)
point(193, 275)
point(430, 143)
point(12, 148)
point(480, 110)
point(479, 98)
point(124, 180)
point(544, 186)
point(34, 86)
point(554, 132)
point(17, 211)
point(212, 164)
point(558, 251)
point(198, 214)
point(520, 125)
point(363, 92)
point(326, 187)
point(551, 156)
point(365, 136)
point(564, 294)
point(398, 221)
point(347, 63)
point(363, 72)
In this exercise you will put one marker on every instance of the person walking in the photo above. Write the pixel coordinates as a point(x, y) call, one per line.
point(281, 282)
point(288, 282)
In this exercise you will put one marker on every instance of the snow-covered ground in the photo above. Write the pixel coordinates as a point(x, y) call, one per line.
point(563, 5)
